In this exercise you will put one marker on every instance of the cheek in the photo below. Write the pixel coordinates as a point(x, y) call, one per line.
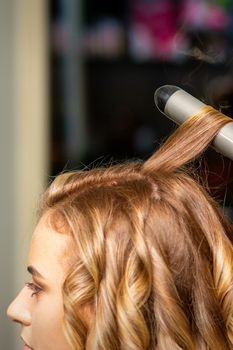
point(47, 323)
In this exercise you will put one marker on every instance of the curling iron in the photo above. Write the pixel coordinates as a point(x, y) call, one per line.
point(178, 105)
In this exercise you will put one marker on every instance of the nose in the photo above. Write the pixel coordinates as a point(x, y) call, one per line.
point(19, 309)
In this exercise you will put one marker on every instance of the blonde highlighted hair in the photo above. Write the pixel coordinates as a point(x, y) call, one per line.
point(152, 256)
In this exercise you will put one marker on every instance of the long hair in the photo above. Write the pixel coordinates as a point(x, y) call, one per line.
point(152, 256)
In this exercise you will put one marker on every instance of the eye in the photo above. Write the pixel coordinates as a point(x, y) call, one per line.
point(32, 286)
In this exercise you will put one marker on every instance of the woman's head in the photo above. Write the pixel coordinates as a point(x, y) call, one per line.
point(141, 254)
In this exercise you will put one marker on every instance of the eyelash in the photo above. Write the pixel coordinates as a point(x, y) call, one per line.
point(36, 289)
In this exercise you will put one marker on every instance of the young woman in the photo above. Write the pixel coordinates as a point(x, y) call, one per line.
point(135, 256)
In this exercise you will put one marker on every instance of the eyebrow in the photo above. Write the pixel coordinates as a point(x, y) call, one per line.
point(34, 272)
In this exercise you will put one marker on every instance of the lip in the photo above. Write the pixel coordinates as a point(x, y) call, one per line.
point(25, 345)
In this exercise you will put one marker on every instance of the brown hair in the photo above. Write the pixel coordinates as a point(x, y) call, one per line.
point(153, 257)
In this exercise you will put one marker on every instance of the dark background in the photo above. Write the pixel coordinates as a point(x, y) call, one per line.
point(127, 50)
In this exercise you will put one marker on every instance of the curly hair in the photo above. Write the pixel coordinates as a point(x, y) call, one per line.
point(152, 256)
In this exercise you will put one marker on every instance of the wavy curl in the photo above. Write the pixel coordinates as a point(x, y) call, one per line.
point(151, 255)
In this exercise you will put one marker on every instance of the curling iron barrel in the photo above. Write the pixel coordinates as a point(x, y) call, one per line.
point(179, 105)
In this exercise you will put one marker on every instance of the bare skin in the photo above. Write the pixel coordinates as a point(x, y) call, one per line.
point(39, 305)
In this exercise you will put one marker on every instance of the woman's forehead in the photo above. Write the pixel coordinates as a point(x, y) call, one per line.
point(48, 250)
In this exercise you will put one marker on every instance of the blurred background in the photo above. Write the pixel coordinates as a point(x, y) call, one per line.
point(77, 79)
